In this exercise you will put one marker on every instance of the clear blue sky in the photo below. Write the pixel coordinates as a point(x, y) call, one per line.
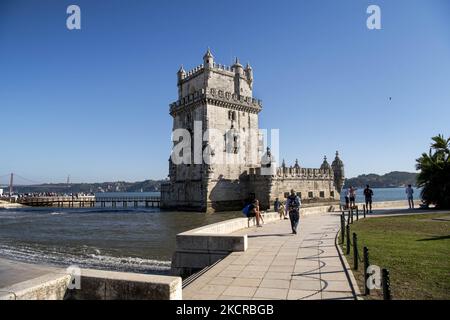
point(94, 103)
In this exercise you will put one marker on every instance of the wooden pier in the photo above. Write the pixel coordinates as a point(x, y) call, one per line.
point(90, 201)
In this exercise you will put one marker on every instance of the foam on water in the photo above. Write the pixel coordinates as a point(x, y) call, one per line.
point(86, 260)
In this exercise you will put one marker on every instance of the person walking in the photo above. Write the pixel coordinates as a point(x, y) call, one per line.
point(293, 206)
point(347, 199)
point(276, 205)
point(281, 211)
point(368, 194)
point(410, 195)
point(286, 212)
point(352, 197)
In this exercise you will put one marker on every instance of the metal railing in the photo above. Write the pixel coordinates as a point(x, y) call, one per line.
point(352, 243)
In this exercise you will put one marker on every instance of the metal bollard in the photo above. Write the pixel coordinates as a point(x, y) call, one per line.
point(348, 239)
point(366, 275)
point(348, 217)
point(386, 283)
point(351, 215)
point(342, 228)
point(355, 251)
point(365, 211)
point(357, 213)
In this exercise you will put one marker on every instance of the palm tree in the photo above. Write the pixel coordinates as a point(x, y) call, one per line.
point(434, 176)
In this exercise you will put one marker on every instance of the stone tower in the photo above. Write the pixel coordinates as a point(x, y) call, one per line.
point(216, 106)
point(339, 175)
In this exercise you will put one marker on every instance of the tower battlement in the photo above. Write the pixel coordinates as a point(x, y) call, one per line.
point(217, 67)
point(220, 98)
point(235, 79)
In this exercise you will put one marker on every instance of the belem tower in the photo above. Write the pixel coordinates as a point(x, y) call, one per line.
point(221, 97)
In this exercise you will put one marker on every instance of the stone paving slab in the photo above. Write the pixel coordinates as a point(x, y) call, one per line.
point(12, 272)
point(280, 265)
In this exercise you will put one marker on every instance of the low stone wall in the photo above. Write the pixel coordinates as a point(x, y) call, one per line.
point(47, 287)
point(109, 285)
point(399, 204)
point(304, 211)
point(96, 285)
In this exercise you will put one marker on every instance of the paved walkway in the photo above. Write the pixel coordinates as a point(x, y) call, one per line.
point(279, 265)
point(12, 272)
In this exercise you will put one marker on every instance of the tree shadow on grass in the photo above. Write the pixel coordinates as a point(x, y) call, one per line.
point(435, 238)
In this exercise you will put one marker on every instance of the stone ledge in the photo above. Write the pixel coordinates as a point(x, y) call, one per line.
point(51, 286)
point(96, 285)
point(111, 285)
point(396, 204)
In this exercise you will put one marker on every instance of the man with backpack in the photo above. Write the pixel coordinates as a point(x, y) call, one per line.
point(293, 207)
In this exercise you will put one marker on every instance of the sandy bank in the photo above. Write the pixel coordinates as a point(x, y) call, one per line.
point(6, 205)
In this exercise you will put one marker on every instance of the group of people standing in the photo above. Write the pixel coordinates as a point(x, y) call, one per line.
point(350, 197)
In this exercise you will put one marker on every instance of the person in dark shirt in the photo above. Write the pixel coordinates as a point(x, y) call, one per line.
point(276, 205)
point(293, 207)
point(368, 194)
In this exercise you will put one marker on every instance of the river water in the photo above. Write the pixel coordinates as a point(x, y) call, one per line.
point(138, 240)
point(123, 239)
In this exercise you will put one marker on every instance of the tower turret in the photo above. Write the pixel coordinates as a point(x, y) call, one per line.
point(181, 73)
point(208, 59)
point(237, 67)
point(249, 74)
point(325, 165)
point(338, 169)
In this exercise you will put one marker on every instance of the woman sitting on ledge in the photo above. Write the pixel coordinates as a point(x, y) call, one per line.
point(255, 212)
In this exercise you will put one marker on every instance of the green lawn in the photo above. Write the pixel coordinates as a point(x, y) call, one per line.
point(415, 249)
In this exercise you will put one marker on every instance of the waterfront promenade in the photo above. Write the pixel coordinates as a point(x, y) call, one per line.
point(279, 265)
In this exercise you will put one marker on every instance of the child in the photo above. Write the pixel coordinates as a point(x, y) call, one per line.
point(281, 211)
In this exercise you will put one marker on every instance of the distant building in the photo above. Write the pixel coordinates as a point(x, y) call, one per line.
point(1, 192)
point(221, 98)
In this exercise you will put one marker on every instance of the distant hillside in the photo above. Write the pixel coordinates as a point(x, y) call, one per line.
point(388, 180)
point(118, 186)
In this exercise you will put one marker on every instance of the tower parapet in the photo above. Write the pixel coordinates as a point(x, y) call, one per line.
point(211, 74)
point(219, 98)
